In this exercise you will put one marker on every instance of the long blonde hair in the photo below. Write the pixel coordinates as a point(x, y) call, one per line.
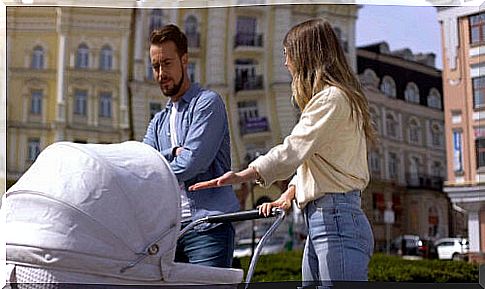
point(318, 61)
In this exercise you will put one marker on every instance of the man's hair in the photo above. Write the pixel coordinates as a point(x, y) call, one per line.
point(170, 33)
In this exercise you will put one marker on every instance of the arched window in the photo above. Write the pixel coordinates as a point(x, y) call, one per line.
point(193, 39)
point(38, 58)
point(411, 93)
point(106, 58)
point(388, 86)
point(434, 98)
point(414, 131)
point(391, 125)
point(156, 19)
point(82, 56)
point(369, 78)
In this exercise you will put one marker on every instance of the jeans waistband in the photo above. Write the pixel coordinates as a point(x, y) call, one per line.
point(330, 199)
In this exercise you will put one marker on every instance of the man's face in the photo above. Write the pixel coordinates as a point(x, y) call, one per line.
point(168, 68)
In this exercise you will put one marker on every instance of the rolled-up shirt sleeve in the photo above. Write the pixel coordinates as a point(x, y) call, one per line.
point(318, 122)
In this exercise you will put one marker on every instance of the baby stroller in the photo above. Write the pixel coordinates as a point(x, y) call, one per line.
point(104, 214)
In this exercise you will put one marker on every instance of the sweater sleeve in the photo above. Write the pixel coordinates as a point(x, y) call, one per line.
point(318, 122)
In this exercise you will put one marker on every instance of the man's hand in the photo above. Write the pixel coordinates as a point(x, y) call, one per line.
point(178, 151)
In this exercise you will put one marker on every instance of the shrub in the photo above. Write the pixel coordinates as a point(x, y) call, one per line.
point(286, 266)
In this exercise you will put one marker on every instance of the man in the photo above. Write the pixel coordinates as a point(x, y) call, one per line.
point(192, 133)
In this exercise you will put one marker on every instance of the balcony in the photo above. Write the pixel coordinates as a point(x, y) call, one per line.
point(254, 125)
point(424, 182)
point(248, 39)
point(249, 83)
point(193, 40)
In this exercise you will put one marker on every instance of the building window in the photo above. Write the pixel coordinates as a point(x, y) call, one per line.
point(156, 19)
point(375, 161)
point(33, 148)
point(388, 86)
point(436, 169)
point(369, 78)
point(80, 102)
point(246, 32)
point(414, 132)
point(413, 176)
point(105, 99)
point(478, 92)
point(477, 28)
point(391, 126)
point(246, 77)
point(457, 151)
point(434, 98)
point(249, 118)
point(82, 57)
point(36, 102)
point(411, 93)
point(480, 152)
point(155, 107)
point(436, 135)
point(193, 36)
point(106, 58)
point(393, 162)
point(378, 206)
point(38, 58)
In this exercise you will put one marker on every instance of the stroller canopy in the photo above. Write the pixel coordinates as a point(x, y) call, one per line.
point(110, 211)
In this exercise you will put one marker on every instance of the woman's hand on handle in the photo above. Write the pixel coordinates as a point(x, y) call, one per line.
point(283, 202)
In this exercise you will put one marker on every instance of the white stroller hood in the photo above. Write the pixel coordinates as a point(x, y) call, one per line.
point(104, 212)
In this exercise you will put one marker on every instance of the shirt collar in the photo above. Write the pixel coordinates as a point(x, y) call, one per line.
point(187, 96)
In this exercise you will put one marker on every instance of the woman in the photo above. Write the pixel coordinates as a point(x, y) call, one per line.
point(327, 148)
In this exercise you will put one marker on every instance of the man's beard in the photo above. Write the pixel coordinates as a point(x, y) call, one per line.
point(174, 90)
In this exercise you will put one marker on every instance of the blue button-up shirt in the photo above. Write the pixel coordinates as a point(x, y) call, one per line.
point(203, 132)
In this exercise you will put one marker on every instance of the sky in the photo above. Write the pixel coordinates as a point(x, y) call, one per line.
point(413, 27)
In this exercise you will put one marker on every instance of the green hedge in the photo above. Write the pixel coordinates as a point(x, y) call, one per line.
point(286, 266)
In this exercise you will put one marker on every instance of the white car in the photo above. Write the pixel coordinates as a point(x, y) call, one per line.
point(274, 245)
point(452, 248)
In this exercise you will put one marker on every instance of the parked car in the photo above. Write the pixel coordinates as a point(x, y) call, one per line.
point(413, 245)
point(427, 249)
point(452, 248)
point(406, 245)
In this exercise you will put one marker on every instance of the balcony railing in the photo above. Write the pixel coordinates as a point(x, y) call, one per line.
point(248, 39)
point(254, 125)
point(424, 182)
point(249, 83)
point(193, 40)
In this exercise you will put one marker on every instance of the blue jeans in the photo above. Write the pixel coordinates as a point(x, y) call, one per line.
point(213, 247)
point(340, 242)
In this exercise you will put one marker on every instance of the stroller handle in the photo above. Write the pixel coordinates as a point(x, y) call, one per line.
point(241, 216)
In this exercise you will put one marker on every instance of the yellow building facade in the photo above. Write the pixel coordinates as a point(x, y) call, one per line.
point(67, 72)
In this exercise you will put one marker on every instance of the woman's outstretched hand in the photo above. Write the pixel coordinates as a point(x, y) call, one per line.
point(226, 179)
point(283, 202)
point(229, 178)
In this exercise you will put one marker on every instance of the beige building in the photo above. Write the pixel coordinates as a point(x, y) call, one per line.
point(236, 51)
point(463, 42)
point(67, 79)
